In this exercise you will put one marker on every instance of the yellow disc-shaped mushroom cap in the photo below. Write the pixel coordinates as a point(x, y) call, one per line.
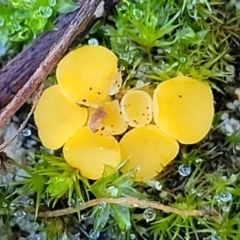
point(183, 108)
point(89, 152)
point(107, 117)
point(87, 74)
point(149, 149)
point(136, 107)
point(114, 122)
point(57, 118)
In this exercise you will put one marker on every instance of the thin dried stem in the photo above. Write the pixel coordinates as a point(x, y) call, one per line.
point(131, 202)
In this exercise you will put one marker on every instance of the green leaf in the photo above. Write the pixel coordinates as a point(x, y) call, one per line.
point(101, 217)
point(122, 216)
point(58, 186)
point(65, 6)
point(109, 175)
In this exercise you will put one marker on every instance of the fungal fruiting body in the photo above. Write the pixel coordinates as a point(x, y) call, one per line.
point(149, 149)
point(89, 152)
point(87, 74)
point(57, 118)
point(86, 114)
point(183, 108)
point(136, 107)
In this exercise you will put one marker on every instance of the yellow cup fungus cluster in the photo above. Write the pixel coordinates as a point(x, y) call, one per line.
point(81, 115)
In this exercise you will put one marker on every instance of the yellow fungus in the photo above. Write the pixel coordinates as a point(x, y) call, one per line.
point(114, 122)
point(57, 118)
point(237, 92)
point(116, 83)
point(87, 74)
point(89, 152)
point(136, 107)
point(109, 118)
point(149, 149)
point(183, 108)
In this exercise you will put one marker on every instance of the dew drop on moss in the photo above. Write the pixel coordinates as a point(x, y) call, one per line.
point(184, 170)
point(225, 197)
point(26, 132)
point(132, 236)
point(93, 234)
point(149, 214)
point(20, 214)
point(216, 238)
point(138, 14)
point(93, 42)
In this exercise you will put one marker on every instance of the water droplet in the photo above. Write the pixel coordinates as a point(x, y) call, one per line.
point(20, 214)
point(198, 160)
point(1, 21)
point(31, 201)
point(44, 12)
point(40, 236)
point(102, 205)
point(224, 116)
point(149, 214)
point(230, 105)
point(153, 21)
point(93, 42)
point(138, 14)
point(225, 197)
point(158, 185)
point(190, 6)
point(168, 50)
point(163, 194)
point(199, 194)
point(182, 59)
point(237, 146)
point(26, 132)
point(52, 2)
point(122, 68)
point(93, 234)
point(113, 191)
point(139, 84)
point(236, 103)
point(216, 238)
point(132, 236)
point(184, 170)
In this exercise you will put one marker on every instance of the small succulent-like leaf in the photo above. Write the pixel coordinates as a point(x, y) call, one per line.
point(122, 216)
point(101, 217)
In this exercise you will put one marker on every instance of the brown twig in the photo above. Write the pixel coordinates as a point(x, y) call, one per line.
point(132, 202)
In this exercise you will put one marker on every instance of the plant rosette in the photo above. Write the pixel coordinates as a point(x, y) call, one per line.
point(81, 115)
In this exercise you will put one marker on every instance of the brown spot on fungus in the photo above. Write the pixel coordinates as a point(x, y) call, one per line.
point(135, 106)
point(84, 68)
point(114, 123)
